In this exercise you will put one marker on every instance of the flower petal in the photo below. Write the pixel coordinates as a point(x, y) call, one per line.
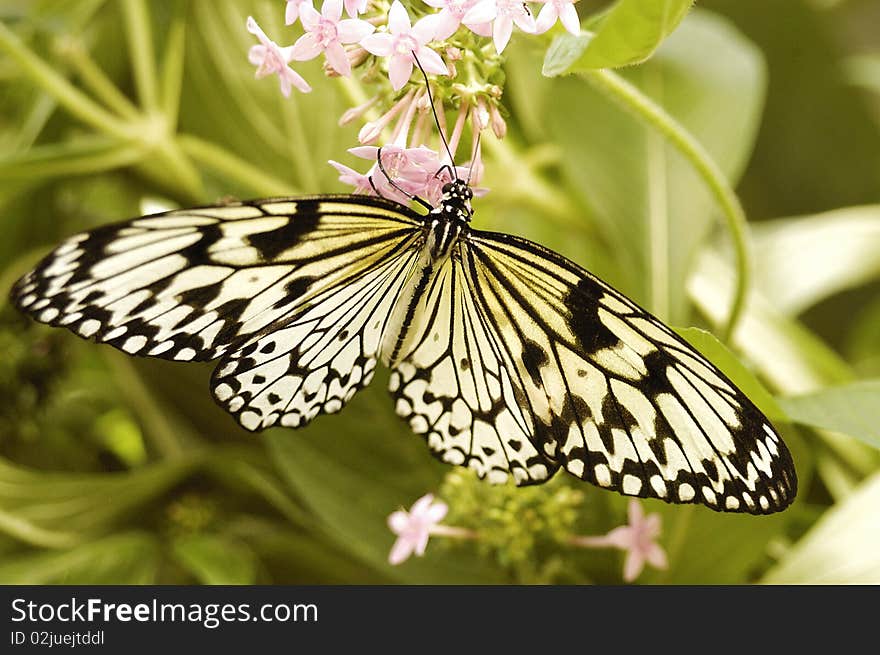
point(431, 61)
point(399, 71)
point(446, 23)
point(546, 18)
point(484, 11)
point(634, 512)
point(306, 47)
point(400, 551)
point(656, 556)
point(332, 10)
point(352, 30)
point(437, 511)
point(569, 17)
point(308, 16)
point(398, 19)
point(355, 7)
point(257, 54)
point(378, 44)
point(633, 566)
point(255, 29)
point(425, 29)
point(501, 31)
point(421, 506)
point(291, 12)
point(337, 58)
point(365, 152)
point(398, 521)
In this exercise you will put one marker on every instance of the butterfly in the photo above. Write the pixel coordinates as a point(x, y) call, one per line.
point(505, 356)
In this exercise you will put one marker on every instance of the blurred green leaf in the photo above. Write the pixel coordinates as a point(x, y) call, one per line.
point(717, 353)
point(819, 146)
point(627, 34)
point(783, 351)
point(129, 558)
point(852, 409)
point(215, 559)
point(359, 469)
point(800, 261)
point(81, 503)
point(648, 202)
point(841, 548)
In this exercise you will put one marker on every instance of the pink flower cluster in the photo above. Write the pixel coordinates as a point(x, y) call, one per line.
point(637, 538)
point(401, 41)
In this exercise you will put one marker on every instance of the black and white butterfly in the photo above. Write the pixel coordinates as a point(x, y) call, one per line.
point(507, 357)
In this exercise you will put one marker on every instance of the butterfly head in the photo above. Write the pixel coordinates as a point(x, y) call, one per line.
point(456, 201)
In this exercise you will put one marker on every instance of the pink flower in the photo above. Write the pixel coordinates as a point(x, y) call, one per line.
point(291, 12)
point(401, 41)
point(355, 7)
point(360, 181)
point(637, 538)
point(451, 15)
point(503, 14)
point(558, 9)
point(413, 528)
point(326, 32)
point(271, 59)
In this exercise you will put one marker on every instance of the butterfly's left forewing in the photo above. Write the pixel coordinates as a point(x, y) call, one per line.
point(615, 396)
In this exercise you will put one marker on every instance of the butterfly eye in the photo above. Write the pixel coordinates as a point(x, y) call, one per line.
point(447, 187)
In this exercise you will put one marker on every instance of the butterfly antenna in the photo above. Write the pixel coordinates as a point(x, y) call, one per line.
point(434, 111)
point(424, 203)
point(474, 157)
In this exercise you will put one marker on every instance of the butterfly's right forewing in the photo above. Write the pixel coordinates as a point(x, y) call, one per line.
point(189, 284)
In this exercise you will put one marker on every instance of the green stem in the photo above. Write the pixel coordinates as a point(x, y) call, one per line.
point(172, 71)
point(140, 51)
point(154, 418)
point(34, 535)
point(76, 102)
point(97, 81)
point(51, 161)
point(224, 162)
point(654, 115)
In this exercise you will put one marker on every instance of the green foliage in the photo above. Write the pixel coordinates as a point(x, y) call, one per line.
point(122, 471)
point(626, 34)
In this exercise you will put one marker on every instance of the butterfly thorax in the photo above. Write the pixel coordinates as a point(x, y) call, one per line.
point(449, 219)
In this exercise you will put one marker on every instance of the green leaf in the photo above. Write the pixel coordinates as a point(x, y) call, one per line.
point(717, 353)
point(801, 261)
point(129, 558)
point(789, 356)
point(852, 409)
point(841, 548)
point(215, 559)
point(78, 504)
point(647, 201)
point(628, 34)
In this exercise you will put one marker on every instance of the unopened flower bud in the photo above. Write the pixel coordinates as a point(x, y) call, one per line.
point(496, 120)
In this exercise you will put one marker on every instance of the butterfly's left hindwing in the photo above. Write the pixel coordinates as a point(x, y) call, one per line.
point(189, 284)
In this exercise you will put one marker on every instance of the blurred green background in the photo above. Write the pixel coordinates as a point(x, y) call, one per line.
point(122, 470)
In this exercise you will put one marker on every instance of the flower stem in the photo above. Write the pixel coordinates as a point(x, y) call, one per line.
point(72, 99)
point(454, 532)
point(96, 80)
point(654, 115)
point(140, 51)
